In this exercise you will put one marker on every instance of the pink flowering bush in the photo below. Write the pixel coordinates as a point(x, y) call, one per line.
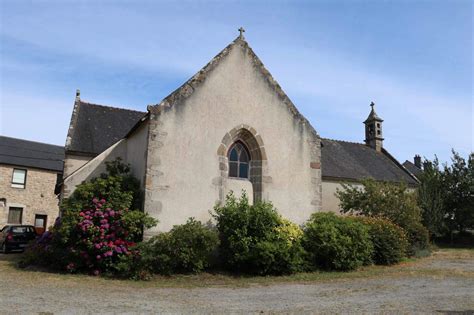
point(97, 231)
point(102, 240)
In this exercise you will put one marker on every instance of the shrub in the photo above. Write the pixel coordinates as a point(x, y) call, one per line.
point(389, 240)
point(95, 235)
point(256, 239)
point(418, 238)
point(392, 201)
point(335, 242)
point(187, 248)
point(99, 243)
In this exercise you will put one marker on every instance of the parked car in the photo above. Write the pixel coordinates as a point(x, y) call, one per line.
point(16, 237)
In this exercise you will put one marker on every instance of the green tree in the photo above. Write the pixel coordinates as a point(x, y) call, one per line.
point(431, 197)
point(459, 198)
point(392, 201)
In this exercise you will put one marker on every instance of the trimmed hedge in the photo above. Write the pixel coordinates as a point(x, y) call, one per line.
point(336, 243)
point(389, 240)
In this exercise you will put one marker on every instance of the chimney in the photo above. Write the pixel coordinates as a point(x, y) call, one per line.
point(417, 160)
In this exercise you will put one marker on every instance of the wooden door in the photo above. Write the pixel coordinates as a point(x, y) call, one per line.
point(40, 223)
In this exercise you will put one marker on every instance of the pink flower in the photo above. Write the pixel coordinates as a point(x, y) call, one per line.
point(95, 200)
point(96, 272)
point(70, 266)
point(98, 257)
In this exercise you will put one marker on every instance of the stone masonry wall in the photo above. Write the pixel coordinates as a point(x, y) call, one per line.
point(36, 198)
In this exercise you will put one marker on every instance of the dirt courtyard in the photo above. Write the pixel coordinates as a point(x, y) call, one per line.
point(440, 284)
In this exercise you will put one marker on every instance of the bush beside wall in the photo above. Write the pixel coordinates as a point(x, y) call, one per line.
point(255, 239)
point(336, 243)
point(187, 248)
point(389, 240)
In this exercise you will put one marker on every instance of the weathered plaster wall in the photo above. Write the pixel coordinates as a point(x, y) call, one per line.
point(36, 198)
point(131, 150)
point(136, 152)
point(94, 168)
point(238, 186)
point(72, 162)
point(330, 201)
point(184, 174)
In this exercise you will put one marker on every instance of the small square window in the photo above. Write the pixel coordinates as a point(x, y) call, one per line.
point(18, 178)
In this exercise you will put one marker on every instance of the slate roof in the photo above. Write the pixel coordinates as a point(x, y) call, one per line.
point(26, 153)
point(95, 127)
point(412, 168)
point(355, 161)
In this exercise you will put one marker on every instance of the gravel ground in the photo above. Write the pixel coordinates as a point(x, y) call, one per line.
point(443, 283)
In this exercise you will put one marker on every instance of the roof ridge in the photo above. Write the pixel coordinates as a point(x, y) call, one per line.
point(188, 87)
point(352, 142)
point(25, 140)
point(108, 106)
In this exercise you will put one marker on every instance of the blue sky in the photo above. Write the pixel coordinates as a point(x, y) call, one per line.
point(332, 58)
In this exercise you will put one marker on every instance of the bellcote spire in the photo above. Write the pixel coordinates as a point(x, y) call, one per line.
point(373, 130)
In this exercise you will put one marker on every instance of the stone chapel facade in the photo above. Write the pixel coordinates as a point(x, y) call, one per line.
point(229, 128)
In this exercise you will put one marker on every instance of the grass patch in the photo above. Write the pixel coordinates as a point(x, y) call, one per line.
point(413, 267)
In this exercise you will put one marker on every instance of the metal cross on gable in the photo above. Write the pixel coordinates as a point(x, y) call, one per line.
point(241, 30)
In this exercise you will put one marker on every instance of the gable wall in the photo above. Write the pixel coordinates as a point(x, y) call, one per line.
point(72, 162)
point(183, 175)
point(131, 150)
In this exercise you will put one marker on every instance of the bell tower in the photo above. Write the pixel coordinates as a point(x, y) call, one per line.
point(373, 130)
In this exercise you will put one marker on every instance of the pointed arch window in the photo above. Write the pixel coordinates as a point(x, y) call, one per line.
point(239, 159)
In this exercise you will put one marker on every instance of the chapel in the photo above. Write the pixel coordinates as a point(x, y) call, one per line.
point(230, 127)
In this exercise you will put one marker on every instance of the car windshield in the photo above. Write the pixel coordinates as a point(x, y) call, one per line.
point(22, 229)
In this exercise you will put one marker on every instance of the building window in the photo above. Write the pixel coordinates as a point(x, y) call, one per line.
point(239, 159)
point(18, 178)
point(15, 215)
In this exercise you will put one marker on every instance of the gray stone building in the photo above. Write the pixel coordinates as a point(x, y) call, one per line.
point(29, 177)
point(230, 127)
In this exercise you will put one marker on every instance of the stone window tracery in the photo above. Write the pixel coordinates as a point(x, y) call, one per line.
point(239, 160)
